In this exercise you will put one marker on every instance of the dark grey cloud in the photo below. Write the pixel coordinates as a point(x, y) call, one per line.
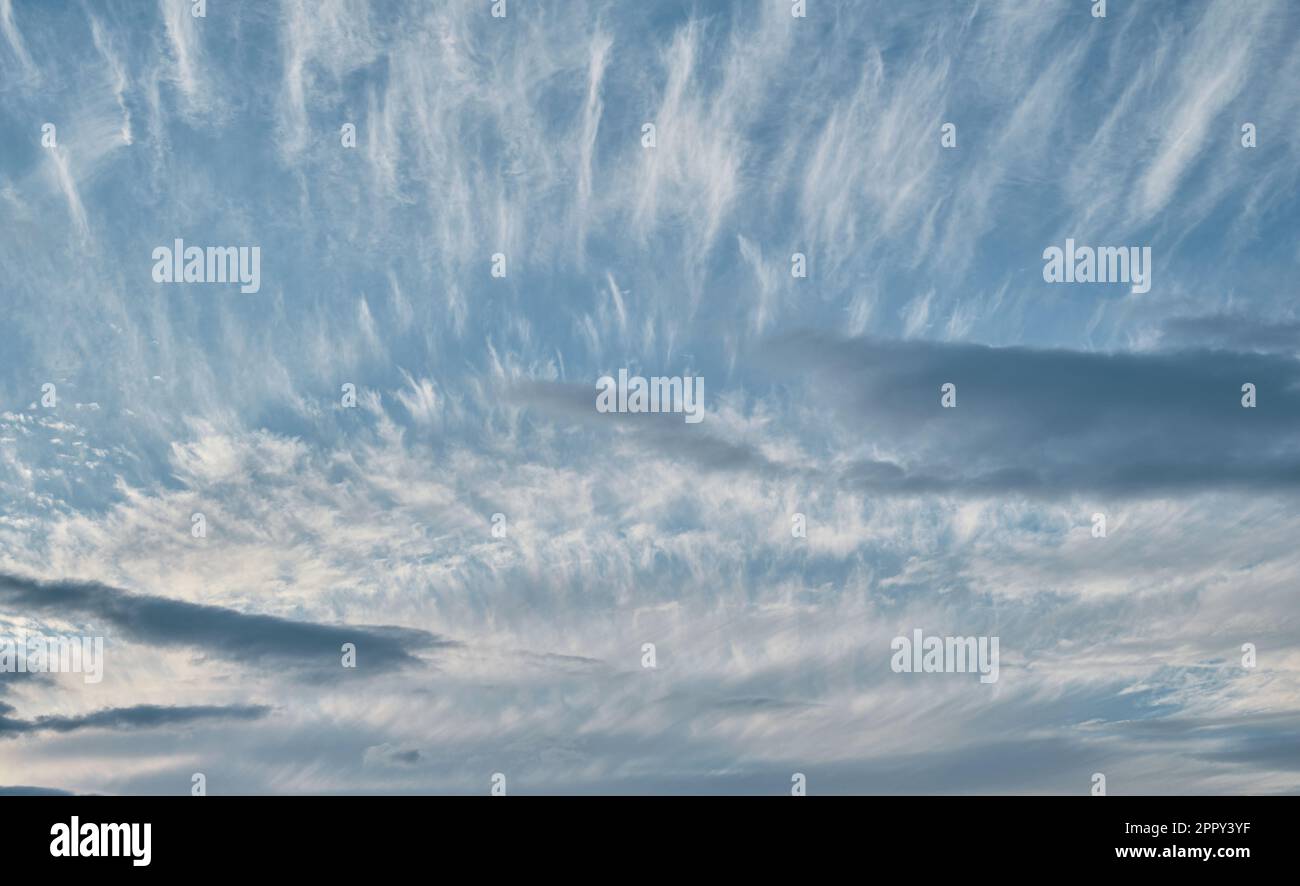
point(10, 680)
point(1050, 421)
point(1028, 421)
point(1233, 332)
point(23, 790)
point(224, 633)
point(575, 664)
point(665, 433)
point(393, 756)
point(136, 717)
point(1280, 751)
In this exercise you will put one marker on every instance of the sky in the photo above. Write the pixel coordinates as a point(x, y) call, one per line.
point(495, 551)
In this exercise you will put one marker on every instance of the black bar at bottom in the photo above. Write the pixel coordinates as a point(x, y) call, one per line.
point(615, 836)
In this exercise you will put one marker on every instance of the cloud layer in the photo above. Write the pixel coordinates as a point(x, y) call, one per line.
point(499, 553)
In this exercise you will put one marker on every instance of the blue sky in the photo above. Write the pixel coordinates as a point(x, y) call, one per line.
point(775, 135)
